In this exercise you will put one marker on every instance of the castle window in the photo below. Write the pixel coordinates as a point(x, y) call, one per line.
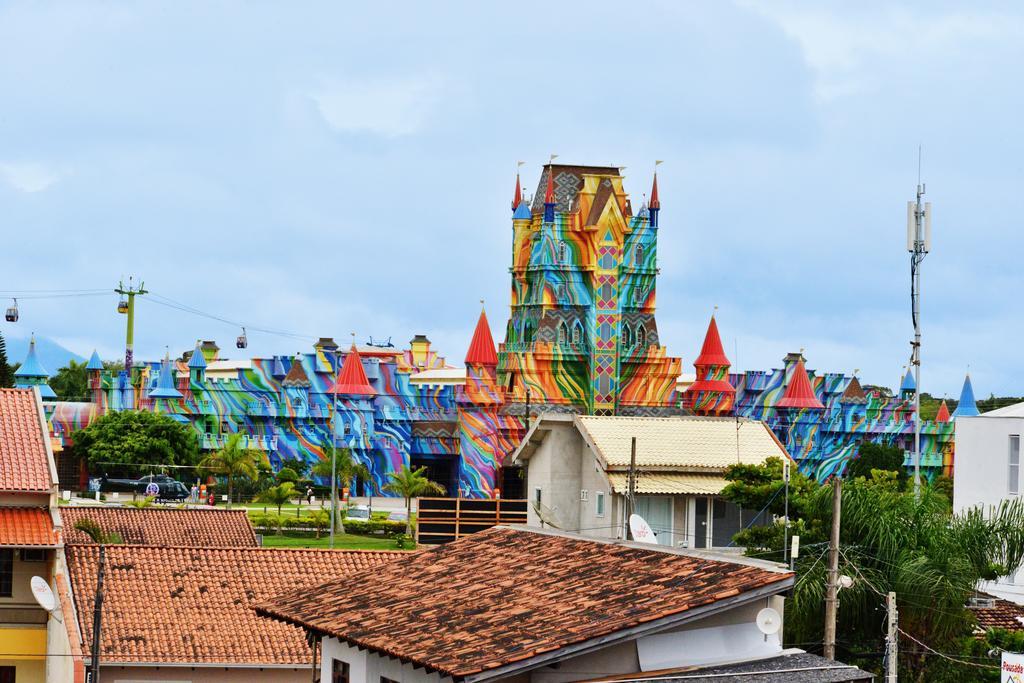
point(563, 252)
point(563, 293)
point(577, 334)
point(639, 257)
point(627, 336)
point(563, 334)
point(638, 296)
point(641, 336)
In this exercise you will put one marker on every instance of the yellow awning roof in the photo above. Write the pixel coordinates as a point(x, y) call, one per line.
point(670, 483)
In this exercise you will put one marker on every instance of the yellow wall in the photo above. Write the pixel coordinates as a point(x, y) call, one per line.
point(23, 648)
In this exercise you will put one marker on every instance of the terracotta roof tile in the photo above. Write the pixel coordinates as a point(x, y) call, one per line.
point(24, 463)
point(194, 527)
point(1003, 614)
point(189, 605)
point(503, 595)
point(20, 527)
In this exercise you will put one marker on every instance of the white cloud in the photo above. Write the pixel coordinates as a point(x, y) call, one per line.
point(387, 107)
point(29, 176)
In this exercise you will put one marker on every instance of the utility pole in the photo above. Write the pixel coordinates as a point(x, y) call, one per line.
point(631, 487)
point(334, 443)
point(891, 639)
point(127, 305)
point(919, 242)
point(97, 617)
point(831, 599)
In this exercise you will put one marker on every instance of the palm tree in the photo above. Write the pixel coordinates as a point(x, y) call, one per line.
point(346, 469)
point(319, 520)
point(278, 495)
point(232, 461)
point(410, 484)
point(93, 530)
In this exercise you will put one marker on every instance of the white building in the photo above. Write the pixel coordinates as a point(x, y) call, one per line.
point(577, 474)
point(987, 471)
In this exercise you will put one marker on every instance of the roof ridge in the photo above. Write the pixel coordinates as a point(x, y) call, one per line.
point(258, 548)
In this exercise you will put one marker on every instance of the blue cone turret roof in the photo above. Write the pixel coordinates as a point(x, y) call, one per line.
point(31, 367)
point(198, 360)
point(908, 382)
point(522, 211)
point(95, 363)
point(967, 407)
point(165, 383)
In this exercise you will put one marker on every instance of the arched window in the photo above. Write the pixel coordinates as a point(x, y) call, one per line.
point(577, 334)
point(627, 336)
point(527, 332)
point(563, 334)
point(563, 252)
point(639, 255)
point(641, 336)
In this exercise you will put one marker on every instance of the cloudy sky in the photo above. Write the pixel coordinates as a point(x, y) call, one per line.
point(327, 168)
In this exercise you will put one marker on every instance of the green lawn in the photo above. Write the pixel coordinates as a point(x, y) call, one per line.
point(347, 541)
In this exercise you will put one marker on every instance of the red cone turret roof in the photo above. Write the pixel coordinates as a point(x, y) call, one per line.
point(799, 392)
point(549, 194)
point(655, 203)
point(712, 352)
point(352, 378)
point(481, 349)
point(943, 414)
point(517, 198)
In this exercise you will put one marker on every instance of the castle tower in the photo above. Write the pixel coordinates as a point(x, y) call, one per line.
point(967, 407)
point(582, 334)
point(31, 373)
point(197, 366)
point(353, 424)
point(165, 388)
point(94, 370)
point(942, 415)
point(483, 432)
point(908, 386)
point(711, 393)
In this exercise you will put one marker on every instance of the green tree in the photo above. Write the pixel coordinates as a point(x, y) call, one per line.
point(287, 474)
point(233, 461)
point(6, 371)
point(347, 468)
point(278, 495)
point(409, 484)
point(319, 519)
point(141, 503)
point(298, 465)
point(873, 456)
point(71, 383)
point(93, 530)
point(132, 438)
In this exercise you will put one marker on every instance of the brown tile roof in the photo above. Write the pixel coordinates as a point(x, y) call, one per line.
point(1003, 614)
point(187, 605)
point(192, 527)
point(20, 527)
point(24, 463)
point(506, 595)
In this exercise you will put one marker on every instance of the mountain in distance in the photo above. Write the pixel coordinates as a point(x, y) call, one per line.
point(52, 355)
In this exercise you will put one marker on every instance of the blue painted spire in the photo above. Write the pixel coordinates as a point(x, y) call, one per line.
point(277, 369)
point(198, 360)
point(522, 211)
point(94, 362)
point(967, 406)
point(908, 385)
point(165, 383)
point(32, 367)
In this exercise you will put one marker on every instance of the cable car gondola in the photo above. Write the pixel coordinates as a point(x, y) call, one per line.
point(242, 341)
point(11, 315)
point(122, 305)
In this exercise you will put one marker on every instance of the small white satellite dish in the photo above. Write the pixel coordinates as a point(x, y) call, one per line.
point(769, 621)
point(641, 530)
point(845, 582)
point(42, 593)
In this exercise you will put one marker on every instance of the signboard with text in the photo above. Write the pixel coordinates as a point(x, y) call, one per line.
point(1012, 669)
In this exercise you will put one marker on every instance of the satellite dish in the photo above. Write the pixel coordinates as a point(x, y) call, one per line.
point(769, 621)
point(42, 593)
point(845, 582)
point(641, 530)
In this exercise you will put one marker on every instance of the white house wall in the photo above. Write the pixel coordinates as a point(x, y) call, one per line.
point(369, 667)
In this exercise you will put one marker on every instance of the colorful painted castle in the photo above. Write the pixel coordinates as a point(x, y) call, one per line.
point(581, 338)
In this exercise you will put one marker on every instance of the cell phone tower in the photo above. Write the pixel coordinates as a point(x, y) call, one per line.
point(919, 243)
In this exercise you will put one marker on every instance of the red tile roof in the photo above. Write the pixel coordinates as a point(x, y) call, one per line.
point(711, 353)
point(352, 377)
point(193, 527)
point(1003, 614)
point(506, 595)
point(481, 348)
point(189, 605)
point(799, 392)
point(20, 527)
point(24, 463)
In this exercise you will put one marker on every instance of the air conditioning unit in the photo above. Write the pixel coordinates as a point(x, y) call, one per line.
point(981, 603)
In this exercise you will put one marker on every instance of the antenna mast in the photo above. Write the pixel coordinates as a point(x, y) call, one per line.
point(919, 242)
